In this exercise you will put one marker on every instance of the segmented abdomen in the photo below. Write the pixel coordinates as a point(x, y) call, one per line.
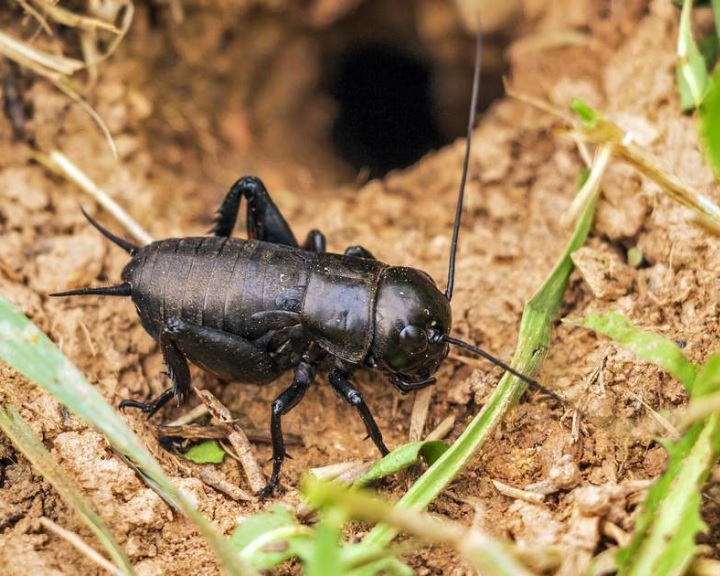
point(211, 281)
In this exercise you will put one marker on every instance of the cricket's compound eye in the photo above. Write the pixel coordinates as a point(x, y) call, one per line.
point(413, 340)
point(409, 309)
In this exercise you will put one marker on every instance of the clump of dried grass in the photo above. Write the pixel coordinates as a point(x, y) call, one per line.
point(99, 32)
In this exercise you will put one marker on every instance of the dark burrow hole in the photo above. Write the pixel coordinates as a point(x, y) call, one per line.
point(387, 117)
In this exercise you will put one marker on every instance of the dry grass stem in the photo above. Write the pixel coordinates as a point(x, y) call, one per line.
point(57, 162)
point(705, 567)
point(420, 409)
point(591, 189)
point(50, 66)
point(72, 19)
point(79, 544)
point(671, 431)
point(517, 493)
point(340, 469)
point(39, 18)
point(442, 430)
point(615, 141)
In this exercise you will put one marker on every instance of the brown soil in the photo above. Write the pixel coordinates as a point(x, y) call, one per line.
point(227, 92)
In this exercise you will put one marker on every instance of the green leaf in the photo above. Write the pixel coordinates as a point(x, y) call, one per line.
point(710, 123)
point(582, 178)
point(651, 347)
point(401, 458)
point(709, 47)
point(634, 257)
point(707, 380)
point(327, 556)
point(587, 113)
point(692, 75)
point(664, 539)
point(252, 528)
point(267, 540)
point(207, 452)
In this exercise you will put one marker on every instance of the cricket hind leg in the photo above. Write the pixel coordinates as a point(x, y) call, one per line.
point(177, 370)
point(264, 220)
point(226, 355)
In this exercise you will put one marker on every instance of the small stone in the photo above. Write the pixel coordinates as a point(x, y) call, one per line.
point(592, 500)
point(605, 274)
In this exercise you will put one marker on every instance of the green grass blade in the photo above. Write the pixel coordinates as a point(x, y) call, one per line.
point(664, 539)
point(25, 440)
point(401, 458)
point(709, 47)
point(710, 121)
point(651, 347)
point(268, 539)
point(663, 542)
point(692, 76)
point(534, 340)
point(25, 348)
point(707, 380)
point(486, 554)
point(327, 554)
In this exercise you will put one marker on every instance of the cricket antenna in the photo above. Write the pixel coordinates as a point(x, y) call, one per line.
point(480, 352)
point(437, 337)
point(466, 163)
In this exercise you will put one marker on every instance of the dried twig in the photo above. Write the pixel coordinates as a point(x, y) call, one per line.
point(442, 429)
point(238, 440)
point(214, 478)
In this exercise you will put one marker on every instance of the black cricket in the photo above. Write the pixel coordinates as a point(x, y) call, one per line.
point(250, 310)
